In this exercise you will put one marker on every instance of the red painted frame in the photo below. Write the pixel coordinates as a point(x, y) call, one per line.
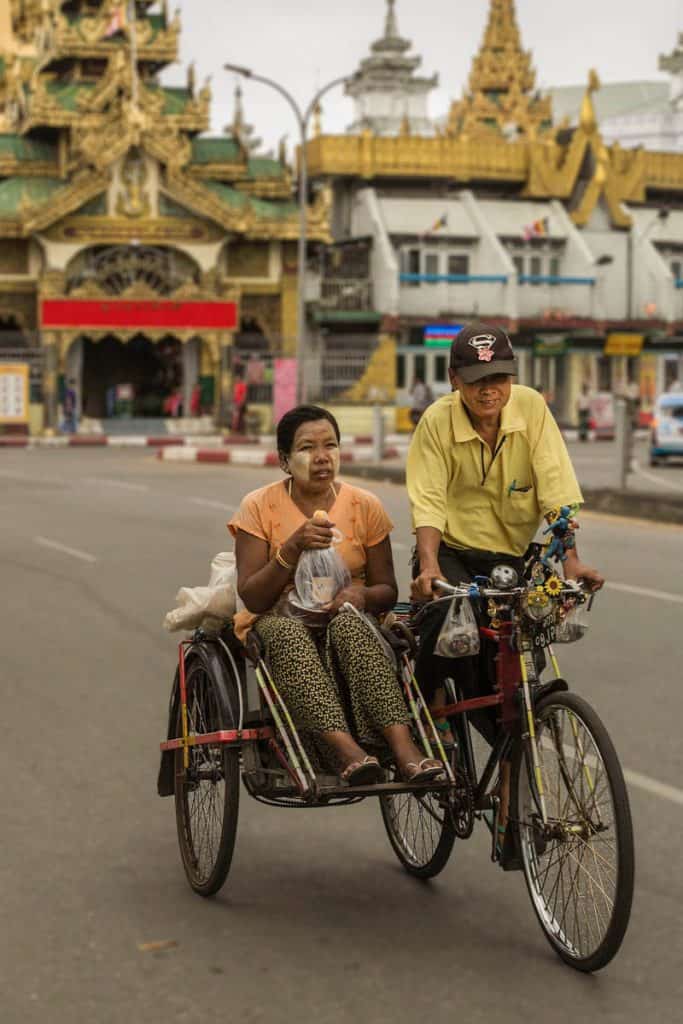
point(508, 680)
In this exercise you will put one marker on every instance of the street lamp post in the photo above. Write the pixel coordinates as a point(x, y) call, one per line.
point(303, 118)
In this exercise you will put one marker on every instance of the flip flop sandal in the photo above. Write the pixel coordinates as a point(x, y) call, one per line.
point(426, 770)
point(363, 773)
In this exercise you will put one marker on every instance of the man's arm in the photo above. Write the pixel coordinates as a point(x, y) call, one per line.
point(428, 541)
point(427, 482)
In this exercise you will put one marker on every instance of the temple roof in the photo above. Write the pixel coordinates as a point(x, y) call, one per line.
point(389, 65)
point(501, 95)
point(18, 192)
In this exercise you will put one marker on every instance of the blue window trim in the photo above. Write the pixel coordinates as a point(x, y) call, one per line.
point(553, 279)
point(454, 278)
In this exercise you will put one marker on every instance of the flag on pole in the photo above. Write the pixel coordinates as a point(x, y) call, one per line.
point(539, 229)
point(442, 222)
point(118, 21)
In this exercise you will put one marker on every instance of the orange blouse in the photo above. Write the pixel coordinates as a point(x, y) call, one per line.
point(271, 514)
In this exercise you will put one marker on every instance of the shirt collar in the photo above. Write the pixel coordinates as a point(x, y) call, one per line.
point(511, 419)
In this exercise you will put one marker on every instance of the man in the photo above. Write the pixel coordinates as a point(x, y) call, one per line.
point(583, 409)
point(485, 465)
point(420, 399)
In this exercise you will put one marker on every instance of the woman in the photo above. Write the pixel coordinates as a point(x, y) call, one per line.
point(272, 529)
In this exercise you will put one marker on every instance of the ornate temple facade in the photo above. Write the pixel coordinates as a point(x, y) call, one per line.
point(135, 251)
point(573, 244)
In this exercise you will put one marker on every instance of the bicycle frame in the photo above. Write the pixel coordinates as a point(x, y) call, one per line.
point(513, 668)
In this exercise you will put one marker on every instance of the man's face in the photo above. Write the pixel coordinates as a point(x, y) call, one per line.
point(486, 397)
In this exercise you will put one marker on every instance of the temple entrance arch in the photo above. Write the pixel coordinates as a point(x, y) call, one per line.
point(136, 378)
point(120, 269)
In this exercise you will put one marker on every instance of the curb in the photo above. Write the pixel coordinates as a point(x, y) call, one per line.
point(249, 457)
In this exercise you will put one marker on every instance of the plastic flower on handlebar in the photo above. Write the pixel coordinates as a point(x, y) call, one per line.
point(553, 586)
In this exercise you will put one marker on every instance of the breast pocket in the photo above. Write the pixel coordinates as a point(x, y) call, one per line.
point(521, 507)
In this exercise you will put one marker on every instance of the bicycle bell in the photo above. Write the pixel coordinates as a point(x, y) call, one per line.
point(504, 577)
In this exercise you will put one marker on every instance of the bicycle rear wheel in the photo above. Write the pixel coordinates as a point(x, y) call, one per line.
point(420, 830)
point(207, 793)
point(580, 868)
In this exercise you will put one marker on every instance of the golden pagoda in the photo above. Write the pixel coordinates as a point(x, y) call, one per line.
point(122, 225)
point(501, 97)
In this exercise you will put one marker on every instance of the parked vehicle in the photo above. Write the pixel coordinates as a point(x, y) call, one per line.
point(666, 440)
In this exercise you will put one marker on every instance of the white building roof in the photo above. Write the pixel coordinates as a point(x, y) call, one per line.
point(418, 217)
point(614, 99)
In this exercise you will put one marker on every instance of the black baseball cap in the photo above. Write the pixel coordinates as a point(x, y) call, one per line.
point(480, 350)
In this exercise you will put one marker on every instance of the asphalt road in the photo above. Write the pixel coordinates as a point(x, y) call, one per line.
point(317, 922)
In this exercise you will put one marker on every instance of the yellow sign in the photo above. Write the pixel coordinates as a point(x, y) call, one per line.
point(624, 344)
point(14, 394)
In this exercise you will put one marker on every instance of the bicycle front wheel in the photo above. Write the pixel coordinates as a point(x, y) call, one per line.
point(207, 791)
point(420, 830)
point(579, 867)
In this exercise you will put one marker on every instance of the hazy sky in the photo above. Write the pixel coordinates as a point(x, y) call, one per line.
point(304, 44)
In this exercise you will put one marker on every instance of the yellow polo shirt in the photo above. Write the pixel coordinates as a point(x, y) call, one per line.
point(475, 500)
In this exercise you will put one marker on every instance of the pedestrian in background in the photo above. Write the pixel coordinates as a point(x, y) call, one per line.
point(239, 403)
point(421, 398)
point(70, 407)
point(583, 410)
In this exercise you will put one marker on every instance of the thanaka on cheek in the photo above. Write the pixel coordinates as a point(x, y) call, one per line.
point(300, 466)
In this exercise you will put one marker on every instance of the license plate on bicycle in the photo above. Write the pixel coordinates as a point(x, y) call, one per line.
point(544, 634)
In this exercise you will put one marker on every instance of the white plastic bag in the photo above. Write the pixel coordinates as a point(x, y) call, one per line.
point(459, 636)
point(208, 608)
point(320, 575)
point(572, 625)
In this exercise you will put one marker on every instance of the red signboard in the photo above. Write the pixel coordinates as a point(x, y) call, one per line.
point(143, 313)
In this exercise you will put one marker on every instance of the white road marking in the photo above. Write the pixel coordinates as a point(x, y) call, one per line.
point(74, 552)
point(658, 595)
point(207, 503)
point(660, 789)
point(656, 479)
point(116, 483)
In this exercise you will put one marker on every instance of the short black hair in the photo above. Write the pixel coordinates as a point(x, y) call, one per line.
point(292, 420)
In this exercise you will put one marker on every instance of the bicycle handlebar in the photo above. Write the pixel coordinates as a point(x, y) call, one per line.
point(474, 590)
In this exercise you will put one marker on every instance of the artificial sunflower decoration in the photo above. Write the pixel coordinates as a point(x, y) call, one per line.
point(553, 586)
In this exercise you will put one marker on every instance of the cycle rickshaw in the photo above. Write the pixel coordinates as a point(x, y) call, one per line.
point(569, 817)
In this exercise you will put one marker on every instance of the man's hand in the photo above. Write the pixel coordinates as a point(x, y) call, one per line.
point(354, 594)
point(422, 587)
point(576, 570)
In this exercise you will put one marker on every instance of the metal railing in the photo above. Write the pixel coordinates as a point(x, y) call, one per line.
point(345, 293)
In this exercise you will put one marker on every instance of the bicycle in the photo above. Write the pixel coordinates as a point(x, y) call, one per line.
point(569, 826)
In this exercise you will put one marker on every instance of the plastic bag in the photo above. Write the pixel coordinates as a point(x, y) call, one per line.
point(572, 625)
point(459, 636)
point(320, 575)
point(208, 608)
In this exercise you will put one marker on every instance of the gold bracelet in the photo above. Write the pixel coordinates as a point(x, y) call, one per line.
point(281, 561)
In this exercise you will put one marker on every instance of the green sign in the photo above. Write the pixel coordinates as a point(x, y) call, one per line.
point(550, 345)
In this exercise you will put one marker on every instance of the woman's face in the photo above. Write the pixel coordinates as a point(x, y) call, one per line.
point(486, 397)
point(314, 458)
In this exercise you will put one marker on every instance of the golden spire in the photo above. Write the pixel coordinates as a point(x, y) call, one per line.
point(501, 96)
point(587, 118)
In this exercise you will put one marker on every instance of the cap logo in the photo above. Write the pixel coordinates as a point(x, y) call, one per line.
point(484, 344)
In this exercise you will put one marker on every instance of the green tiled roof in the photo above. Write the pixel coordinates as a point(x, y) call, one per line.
point(66, 93)
point(35, 190)
point(215, 151)
point(264, 167)
point(23, 148)
point(263, 208)
point(274, 211)
point(175, 98)
point(227, 195)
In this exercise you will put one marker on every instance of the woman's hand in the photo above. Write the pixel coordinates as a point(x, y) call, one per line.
point(353, 594)
point(422, 587)
point(310, 536)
